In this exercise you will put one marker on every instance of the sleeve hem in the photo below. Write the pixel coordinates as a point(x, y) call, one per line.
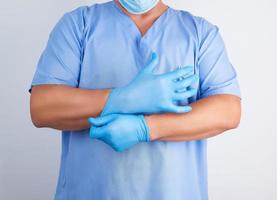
point(215, 92)
point(51, 82)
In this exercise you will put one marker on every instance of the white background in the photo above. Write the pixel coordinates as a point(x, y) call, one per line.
point(242, 162)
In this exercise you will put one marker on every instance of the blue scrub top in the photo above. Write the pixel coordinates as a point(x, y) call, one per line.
point(100, 47)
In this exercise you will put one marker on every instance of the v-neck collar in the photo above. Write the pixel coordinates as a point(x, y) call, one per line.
point(154, 28)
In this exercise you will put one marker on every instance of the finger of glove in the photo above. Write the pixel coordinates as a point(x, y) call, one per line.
point(101, 121)
point(152, 63)
point(97, 132)
point(178, 73)
point(184, 95)
point(186, 82)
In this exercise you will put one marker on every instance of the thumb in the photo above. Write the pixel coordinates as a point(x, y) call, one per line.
point(152, 63)
point(101, 121)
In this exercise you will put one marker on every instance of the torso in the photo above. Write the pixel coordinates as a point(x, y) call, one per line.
point(114, 52)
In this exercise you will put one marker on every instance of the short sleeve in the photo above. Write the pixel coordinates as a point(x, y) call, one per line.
point(217, 74)
point(60, 61)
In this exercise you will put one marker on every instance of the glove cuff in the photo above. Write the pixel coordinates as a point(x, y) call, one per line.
point(145, 136)
point(112, 104)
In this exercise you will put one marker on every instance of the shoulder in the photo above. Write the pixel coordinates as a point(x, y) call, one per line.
point(198, 25)
point(77, 16)
point(72, 20)
point(75, 20)
point(85, 16)
point(198, 21)
point(87, 12)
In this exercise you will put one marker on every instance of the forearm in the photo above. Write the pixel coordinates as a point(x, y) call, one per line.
point(209, 117)
point(199, 136)
point(65, 108)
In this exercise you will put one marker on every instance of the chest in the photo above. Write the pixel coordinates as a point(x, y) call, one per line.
point(114, 56)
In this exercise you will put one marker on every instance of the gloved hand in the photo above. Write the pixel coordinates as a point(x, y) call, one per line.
point(150, 93)
point(120, 131)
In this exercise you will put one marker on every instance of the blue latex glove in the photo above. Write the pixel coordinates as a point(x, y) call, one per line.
point(120, 131)
point(150, 93)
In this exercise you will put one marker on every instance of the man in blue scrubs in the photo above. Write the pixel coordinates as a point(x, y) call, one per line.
point(124, 64)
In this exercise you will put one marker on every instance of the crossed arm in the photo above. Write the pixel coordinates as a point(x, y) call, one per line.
point(65, 108)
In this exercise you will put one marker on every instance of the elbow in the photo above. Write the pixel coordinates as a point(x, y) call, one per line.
point(233, 123)
point(38, 115)
point(229, 123)
point(43, 113)
point(232, 119)
point(37, 123)
point(37, 120)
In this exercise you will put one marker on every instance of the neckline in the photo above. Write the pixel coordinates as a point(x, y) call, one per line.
point(159, 22)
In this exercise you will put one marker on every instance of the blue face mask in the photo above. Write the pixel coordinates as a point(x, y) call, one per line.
point(138, 6)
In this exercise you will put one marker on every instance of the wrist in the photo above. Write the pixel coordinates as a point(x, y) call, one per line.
point(144, 133)
point(152, 127)
point(113, 102)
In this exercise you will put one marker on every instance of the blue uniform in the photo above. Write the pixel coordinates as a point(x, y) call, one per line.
point(100, 47)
